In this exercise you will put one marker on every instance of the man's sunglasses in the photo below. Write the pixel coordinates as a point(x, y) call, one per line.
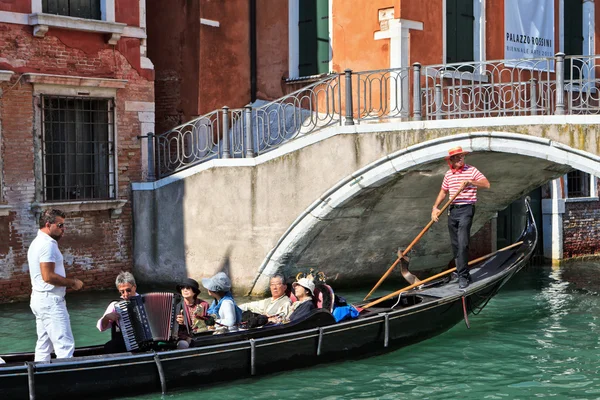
point(128, 290)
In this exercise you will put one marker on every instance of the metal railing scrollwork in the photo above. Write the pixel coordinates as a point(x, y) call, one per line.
point(480, 89)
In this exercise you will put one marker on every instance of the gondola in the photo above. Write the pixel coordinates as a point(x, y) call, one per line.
point(424, 311)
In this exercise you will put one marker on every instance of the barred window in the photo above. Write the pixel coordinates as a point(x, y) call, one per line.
point(78, 149)
point(89, 9)
point(578, 184)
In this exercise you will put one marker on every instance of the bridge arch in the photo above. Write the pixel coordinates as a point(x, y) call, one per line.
point(551, 159)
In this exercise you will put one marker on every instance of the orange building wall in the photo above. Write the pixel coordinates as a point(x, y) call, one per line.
point(173, 48)
point(224, 55)
point(426, 46)
point(272, 36)
point(353, 29)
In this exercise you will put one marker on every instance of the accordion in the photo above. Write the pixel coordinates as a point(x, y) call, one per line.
point(148, 318)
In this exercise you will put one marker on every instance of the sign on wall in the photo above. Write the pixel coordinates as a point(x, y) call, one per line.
point(528, 31)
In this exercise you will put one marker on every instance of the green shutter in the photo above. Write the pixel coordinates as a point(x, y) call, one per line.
point(322, 36)
point(459, 30)
point(464, 21)
point(451, 53)
point(313, 26)
point(573, 35)
point(60, 7)
point(89, 9)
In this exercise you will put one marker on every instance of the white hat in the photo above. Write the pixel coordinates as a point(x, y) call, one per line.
point(306, 283)
point(218, 283)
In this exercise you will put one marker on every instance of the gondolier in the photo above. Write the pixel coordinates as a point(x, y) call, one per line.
point(467, 179)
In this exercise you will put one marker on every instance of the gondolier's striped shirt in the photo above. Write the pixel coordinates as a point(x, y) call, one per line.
point(453, 179)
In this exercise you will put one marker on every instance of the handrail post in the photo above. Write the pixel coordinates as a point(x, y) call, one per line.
point(349, 120)
point(417, 92)
point(225, 138)
point(533, 95)
point(438, 101)
point(151, 174)
point(560, 84)
point(249, 132)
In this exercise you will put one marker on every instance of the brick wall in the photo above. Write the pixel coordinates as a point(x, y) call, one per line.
point(581, 229)
point(95, 246)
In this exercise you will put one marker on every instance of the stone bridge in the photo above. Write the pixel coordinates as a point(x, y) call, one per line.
point(344, 198)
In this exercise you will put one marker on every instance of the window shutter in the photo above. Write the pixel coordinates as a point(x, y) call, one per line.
point(451, 54)
point(308, 38)
point(464, 22)
point(459, 30)
point(60, 7)
point(322, 36)
point(89, 9)
point(573, 34)
point(313, 28)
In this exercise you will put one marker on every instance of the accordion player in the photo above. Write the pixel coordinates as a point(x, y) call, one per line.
point(147, 319)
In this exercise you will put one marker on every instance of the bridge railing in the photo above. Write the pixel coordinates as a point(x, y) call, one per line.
point(248, 131)
point(542, 86)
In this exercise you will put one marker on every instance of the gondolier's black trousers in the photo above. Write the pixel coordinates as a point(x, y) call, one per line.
point(460, 219)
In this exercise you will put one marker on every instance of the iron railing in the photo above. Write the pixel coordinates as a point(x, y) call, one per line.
point(542, 86)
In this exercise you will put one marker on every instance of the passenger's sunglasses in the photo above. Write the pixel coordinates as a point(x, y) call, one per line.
point(60, 225)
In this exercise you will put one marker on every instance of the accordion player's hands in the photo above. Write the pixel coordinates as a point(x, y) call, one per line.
point(113, 316)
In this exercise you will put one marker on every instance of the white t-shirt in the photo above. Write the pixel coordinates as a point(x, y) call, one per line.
point(45, 249)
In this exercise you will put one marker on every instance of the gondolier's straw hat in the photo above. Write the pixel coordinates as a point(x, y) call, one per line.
point(455, 151)
point(306, 284)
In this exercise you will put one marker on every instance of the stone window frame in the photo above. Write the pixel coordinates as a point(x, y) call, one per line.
point(593, 182)
point(42, 22)
point(4, 208)
point(72, 86)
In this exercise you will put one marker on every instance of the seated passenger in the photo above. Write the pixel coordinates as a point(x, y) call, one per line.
point(276, 307)
point(190, 312)
point(303, 290)
point(126, 286)
point(223, 309)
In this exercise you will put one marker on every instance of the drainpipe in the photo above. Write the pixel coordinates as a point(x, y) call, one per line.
point(253, 51)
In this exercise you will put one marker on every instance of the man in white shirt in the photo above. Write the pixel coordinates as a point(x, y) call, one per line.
point(275, 307)
point(49, 284)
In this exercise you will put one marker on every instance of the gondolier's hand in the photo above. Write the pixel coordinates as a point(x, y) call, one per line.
point(435, 214)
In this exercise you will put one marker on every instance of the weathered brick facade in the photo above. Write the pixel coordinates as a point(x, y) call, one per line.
point(581, 228)
point(97, 242)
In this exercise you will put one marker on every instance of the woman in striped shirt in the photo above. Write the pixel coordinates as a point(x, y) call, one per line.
point(467, 178)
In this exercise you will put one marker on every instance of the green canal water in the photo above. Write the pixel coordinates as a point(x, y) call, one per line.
point(538, 338)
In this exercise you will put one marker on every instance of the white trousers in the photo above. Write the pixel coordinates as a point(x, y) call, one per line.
point(53, 326)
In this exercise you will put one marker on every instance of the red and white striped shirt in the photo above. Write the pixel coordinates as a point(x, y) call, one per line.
point(453, 179)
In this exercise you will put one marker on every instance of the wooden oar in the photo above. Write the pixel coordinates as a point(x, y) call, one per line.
point(410, 246)
point(414, 285)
